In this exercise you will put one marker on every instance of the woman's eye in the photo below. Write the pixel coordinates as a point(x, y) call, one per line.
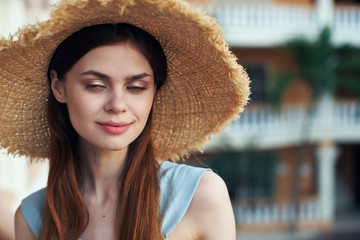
point(136, 88)
point(95, 86)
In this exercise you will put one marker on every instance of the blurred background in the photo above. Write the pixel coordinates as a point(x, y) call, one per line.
point(292, 160)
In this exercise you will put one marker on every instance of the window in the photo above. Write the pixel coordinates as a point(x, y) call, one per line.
point(258, 76)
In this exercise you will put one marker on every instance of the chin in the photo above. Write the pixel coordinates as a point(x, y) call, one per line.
point(116, 148)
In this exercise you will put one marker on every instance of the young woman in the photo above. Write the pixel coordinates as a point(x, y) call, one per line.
point(120, 102)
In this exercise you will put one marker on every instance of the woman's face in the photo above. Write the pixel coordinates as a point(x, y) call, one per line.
point(109, 94)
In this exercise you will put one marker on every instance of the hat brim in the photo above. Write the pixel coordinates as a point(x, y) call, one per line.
point(205, 88)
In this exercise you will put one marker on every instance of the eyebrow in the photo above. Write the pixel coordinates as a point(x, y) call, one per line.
point(138, 76)
point(96, 74)
point(107, 77)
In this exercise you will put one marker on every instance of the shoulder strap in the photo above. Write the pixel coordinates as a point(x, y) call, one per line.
point(32, 209)
point(178, 183)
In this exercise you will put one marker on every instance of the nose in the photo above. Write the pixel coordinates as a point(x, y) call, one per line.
point(116, 102)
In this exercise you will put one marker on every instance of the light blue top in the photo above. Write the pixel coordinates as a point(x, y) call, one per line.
point(178, 183)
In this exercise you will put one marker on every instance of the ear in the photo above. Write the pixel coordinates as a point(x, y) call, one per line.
point(57, 87)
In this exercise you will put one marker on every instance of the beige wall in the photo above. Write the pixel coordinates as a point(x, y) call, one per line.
point(295, 1)
point(275, 60)
point(284, 181)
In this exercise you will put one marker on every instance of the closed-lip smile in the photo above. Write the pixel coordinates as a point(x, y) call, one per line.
point(113, 127)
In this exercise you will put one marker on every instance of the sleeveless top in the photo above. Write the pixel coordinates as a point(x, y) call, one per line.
point(178, 183)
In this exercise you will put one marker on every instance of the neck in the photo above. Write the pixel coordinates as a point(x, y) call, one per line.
point(102, 170)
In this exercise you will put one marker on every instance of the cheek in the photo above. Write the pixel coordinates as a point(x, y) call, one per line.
point(148, 106)
point(143, 109)
point(80, 109)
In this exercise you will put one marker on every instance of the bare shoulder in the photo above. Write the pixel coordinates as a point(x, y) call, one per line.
point(211, 185)
point(211, 209)
point(22, 229)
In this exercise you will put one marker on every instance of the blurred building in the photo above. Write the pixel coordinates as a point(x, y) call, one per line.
point(280, 177)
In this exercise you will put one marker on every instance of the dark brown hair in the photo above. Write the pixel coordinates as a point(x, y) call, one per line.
point(65, 212)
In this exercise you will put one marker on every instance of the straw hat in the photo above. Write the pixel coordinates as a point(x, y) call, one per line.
point(206, 88)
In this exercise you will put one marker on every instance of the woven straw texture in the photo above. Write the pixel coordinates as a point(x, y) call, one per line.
point(205, 89)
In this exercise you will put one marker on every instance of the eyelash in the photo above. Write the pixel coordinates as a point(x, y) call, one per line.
point(94, 86)
point(136, 89)
point(130, 88)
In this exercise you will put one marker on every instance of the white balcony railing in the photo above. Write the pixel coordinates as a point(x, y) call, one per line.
point(264, 128)
point(265, 15)
point(347, 18)
point(265, 23)
point(273, 215)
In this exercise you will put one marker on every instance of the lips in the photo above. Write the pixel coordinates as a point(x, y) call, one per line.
point(114, 127)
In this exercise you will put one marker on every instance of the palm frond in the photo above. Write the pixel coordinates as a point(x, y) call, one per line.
point(279, 85)
point(321, 65)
